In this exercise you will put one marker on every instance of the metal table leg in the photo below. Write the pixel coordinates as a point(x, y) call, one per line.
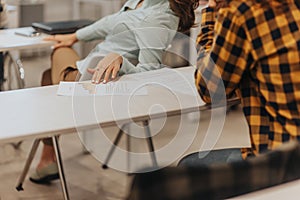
point(27, 164)
point(118, 138)
point(128, 151)
point(60, 168)
point(150, 143)
point(113, 147)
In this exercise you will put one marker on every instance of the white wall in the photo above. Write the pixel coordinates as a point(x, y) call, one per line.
point(58, 10)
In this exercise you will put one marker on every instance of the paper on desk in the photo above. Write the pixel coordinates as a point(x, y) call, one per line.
point(89, 89)
point(181, 81)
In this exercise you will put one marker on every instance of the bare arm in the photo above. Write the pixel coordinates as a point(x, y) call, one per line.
point(66, 40)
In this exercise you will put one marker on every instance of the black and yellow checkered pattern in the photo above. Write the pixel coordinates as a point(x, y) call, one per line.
point(254, 50)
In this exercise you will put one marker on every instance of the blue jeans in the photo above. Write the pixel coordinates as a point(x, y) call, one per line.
point(211, 157)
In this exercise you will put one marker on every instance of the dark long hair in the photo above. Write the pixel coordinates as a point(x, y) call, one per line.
point(185, 10)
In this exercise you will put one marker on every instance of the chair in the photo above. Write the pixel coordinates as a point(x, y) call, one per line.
point(178, 52)
point(15, 71)
point(220, 181)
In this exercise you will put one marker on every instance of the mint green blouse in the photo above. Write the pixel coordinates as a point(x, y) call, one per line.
point(139, 35)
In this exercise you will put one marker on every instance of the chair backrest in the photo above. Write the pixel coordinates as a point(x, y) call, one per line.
point(220, 181)
point(178, 52)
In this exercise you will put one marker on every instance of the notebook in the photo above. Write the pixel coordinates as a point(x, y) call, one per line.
point(60, 27)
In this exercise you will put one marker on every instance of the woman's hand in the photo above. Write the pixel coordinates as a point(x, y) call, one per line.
point(66, 40)
point(108, 67)
point(216, 3)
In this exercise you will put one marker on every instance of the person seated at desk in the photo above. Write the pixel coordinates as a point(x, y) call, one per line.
point(140, 31)
point(253, 46)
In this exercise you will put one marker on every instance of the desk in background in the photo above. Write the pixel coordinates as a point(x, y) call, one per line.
point(9, 41)
point(10, 44)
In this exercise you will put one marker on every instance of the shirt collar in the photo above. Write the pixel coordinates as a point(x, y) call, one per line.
point(131, 4)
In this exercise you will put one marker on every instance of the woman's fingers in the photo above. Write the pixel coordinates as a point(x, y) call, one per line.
point(49, 39)
point(108, 72)
point(55, 38)
point(52, 38)
point(94, 78)
point(97, 75)
point(107, 68)
point(115, 72)
point(57, 45)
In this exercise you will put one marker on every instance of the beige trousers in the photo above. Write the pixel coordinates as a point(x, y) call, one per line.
point(63, 68)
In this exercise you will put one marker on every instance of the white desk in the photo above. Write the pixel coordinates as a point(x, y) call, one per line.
point(39, 113)
point(10, 42)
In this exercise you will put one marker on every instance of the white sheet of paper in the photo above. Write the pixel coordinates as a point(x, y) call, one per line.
point(175, 80)
point(111, 88)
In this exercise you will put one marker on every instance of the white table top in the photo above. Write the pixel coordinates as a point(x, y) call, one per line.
point(10, 41)
point(39, 112)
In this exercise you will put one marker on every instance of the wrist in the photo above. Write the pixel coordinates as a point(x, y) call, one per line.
point(74, 37)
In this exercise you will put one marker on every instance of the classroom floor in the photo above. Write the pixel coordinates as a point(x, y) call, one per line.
point(85, 177)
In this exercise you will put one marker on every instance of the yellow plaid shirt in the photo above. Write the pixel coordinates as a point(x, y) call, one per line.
point(255, 51)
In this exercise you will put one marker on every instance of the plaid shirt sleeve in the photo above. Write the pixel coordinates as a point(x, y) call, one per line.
point(223, 54)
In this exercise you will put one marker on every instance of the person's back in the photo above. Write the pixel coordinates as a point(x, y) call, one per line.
point(275, 46)
point(257, 48)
